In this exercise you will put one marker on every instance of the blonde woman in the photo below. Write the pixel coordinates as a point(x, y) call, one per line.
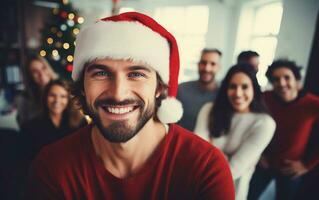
point(38, 74)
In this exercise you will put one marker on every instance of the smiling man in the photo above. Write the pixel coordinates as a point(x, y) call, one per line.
point(295, 112)
point(125, 72)
point(194, 94)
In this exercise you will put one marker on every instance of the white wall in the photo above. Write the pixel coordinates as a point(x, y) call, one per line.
point(297, 30)
point(295, 36)
point(221, 23)
point(221, 32)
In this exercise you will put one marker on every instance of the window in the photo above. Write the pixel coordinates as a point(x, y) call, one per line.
point(183, 23)
point(259, 29)
point(126, 9)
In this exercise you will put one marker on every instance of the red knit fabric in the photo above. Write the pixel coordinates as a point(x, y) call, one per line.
point(182, 167)
point(153, 25)
point(294, 124)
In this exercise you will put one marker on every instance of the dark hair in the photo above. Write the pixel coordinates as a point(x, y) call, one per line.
point(211, 50)
point(73, 115)
point(222, 112)
point(77, 90)
point(280, 63)
point(245, 56)
point(33, 90)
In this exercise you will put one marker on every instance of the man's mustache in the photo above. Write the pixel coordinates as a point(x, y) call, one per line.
point(113, 102)
point(204, 72)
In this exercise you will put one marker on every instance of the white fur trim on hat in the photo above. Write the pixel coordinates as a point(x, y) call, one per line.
point(170, 111)
point(122, 40)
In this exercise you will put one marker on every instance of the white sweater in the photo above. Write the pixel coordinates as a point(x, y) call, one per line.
point(248, 136)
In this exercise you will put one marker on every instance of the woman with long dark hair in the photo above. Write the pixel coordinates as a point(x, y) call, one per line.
point(238, 124)
point(57, 119)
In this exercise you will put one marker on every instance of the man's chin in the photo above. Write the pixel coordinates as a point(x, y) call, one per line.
point(206, 81)
point(119, 132)
point(122, 129)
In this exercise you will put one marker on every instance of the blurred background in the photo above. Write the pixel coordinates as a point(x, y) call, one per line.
point(48, 28)
point(273, 28)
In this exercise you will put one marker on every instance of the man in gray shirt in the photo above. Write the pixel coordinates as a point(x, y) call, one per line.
point(194, 94)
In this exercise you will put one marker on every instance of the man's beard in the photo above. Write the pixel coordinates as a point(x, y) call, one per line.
point(121, 131)
point(206, 82)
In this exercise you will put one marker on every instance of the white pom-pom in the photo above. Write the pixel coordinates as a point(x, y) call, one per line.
point(170, 111)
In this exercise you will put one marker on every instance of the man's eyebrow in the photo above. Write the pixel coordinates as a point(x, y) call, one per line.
point(138, 67)
point(96, 66)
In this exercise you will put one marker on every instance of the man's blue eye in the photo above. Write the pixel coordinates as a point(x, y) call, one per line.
point(136, 74)
point(102, 73)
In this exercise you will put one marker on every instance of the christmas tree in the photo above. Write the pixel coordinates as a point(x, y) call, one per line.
point(58, 38)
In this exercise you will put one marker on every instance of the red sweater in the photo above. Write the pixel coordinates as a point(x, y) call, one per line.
point(294, 124)
point(183, 167)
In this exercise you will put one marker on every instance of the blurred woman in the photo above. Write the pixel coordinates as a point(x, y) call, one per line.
point(57, 119)
point(238, 124)
point(38, 74)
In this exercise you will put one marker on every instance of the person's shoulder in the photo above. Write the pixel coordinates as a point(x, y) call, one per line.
point(267, 94)
point(187, 84)
point(207, 106)
point(263, 116)
point(201, 160)
point(66, 149)
point(265, 120)
point(191, 144)
point(35, 123)
point(312, 97)
point(310, 102)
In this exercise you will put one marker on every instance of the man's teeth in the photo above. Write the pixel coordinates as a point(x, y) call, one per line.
point(119, 110)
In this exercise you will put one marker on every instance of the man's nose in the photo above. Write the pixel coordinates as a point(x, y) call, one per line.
point(119, 88)
point(207, 67)
point(282, 82)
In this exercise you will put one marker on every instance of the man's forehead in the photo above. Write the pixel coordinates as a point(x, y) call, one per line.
point(282, 70)
point(111, 63)
point(208, 55)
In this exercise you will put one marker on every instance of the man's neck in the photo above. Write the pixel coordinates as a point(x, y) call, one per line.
point(211, 86)
point(126, 159)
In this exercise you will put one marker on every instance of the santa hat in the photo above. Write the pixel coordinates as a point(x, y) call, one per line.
point(137, 37)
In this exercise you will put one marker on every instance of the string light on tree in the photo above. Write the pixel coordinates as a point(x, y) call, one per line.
point(71, 16)
point(69, 68)
point(49, 40)
point(66, 45)
point(70, 58)
point(70, 22)
point(76, 31)
point(43, 53)
point(80, 20)
point(61, 28)
point(56, 58)
point(55, 53)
